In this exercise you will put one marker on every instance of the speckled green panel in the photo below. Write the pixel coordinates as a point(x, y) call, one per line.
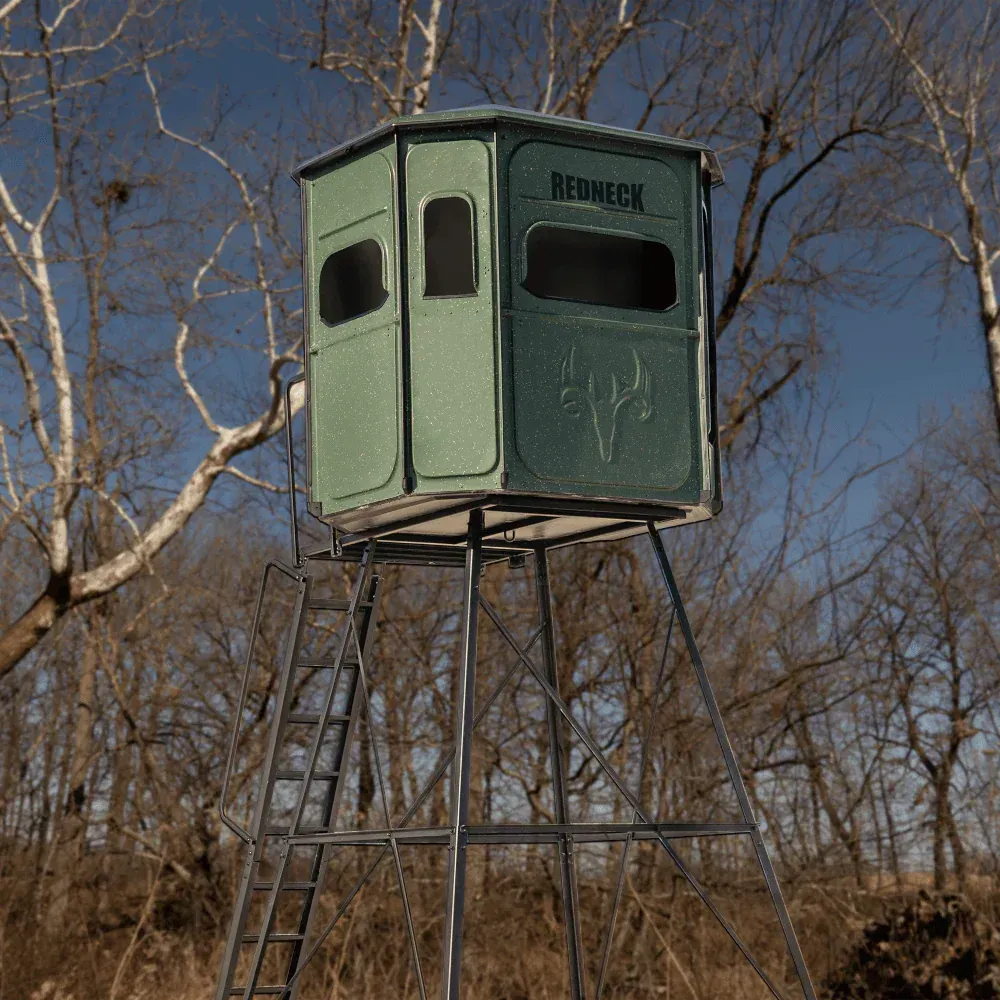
point(354, 366)
point(578, 416)
point(452, 339)
point(604, 398)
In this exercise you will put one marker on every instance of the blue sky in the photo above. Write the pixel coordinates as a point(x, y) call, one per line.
point(902, 362)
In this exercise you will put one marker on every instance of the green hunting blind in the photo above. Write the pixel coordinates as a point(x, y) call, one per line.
point(511, 311)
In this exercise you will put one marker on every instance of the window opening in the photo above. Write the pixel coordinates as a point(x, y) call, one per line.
point(448, 248)
point(577, 265)
point(350, 282)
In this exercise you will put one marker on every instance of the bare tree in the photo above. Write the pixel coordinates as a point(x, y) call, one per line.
point(939, 174)
point(103, 251)
point(938, 595)
point(792, 96)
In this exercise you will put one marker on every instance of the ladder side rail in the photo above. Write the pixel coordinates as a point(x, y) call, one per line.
point(286, 691)
point(255, 848)
point(227, 776)
point(350, 624)
point(336, 793)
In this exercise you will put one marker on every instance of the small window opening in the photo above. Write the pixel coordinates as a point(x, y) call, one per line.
point(350, 282)
point(597, 269)
point(448, 248)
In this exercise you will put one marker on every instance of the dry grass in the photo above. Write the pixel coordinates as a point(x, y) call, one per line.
point(143, 935)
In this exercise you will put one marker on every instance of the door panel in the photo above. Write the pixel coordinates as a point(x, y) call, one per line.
point(354, 361)
point(451, 306)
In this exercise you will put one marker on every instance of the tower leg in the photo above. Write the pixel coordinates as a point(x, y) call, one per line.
point(732, 766)
point(458, 819)
point(557, 759)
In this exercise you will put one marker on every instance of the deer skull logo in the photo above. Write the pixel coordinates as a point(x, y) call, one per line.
point(604, 410)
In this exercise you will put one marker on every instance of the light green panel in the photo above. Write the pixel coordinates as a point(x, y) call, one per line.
point(452, 340)
point(360, 453)
point(354, 366)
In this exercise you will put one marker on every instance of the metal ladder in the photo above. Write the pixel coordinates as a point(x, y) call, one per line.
point(328, 730)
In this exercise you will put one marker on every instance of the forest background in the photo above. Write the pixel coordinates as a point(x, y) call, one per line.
point(847, 601)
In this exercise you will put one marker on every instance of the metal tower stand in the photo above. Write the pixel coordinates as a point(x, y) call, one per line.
point(308, 831)
point(348, 685)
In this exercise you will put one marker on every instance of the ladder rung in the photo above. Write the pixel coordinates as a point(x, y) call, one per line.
point(286, 886)
point(321, 604)
point(238, 991)
point(300, 775)
point(312, 719)
point(307, 665)
point(275, 937)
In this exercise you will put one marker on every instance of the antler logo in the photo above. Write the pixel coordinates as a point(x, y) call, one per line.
point(575, 398)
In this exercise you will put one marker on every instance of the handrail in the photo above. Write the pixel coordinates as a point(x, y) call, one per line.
point(290, 460)
point(233, 825)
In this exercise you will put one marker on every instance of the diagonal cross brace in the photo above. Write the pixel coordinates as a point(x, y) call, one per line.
point(623, 788)
point(623, 861)
point(369, 718)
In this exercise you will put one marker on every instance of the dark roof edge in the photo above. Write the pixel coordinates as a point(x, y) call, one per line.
point(495, 113)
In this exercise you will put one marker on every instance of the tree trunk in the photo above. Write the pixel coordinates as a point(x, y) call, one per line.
point(72, 835)
point(957, 850)
point(942, 814)
point(34, 624)
point(991, 332)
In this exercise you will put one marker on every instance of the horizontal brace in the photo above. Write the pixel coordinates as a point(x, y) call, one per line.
point(312, 719)
point(381, 838)
point(285, 886)
point(586, 833)
point(299, 775)
point(539, 833)
point(310, 665)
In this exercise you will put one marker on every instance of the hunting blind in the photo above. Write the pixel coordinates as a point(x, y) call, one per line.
point(509, 309)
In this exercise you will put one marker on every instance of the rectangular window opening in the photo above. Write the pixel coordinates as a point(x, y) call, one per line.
point(350, 282)
point(449, 248)
point(577, 265)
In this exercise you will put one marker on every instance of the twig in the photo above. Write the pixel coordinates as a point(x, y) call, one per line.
point(663, 941)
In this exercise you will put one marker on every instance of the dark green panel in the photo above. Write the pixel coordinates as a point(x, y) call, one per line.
point(603, 396)
point(452, 338)
point(605, 408)
point(664, 193)
point(354, 365)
